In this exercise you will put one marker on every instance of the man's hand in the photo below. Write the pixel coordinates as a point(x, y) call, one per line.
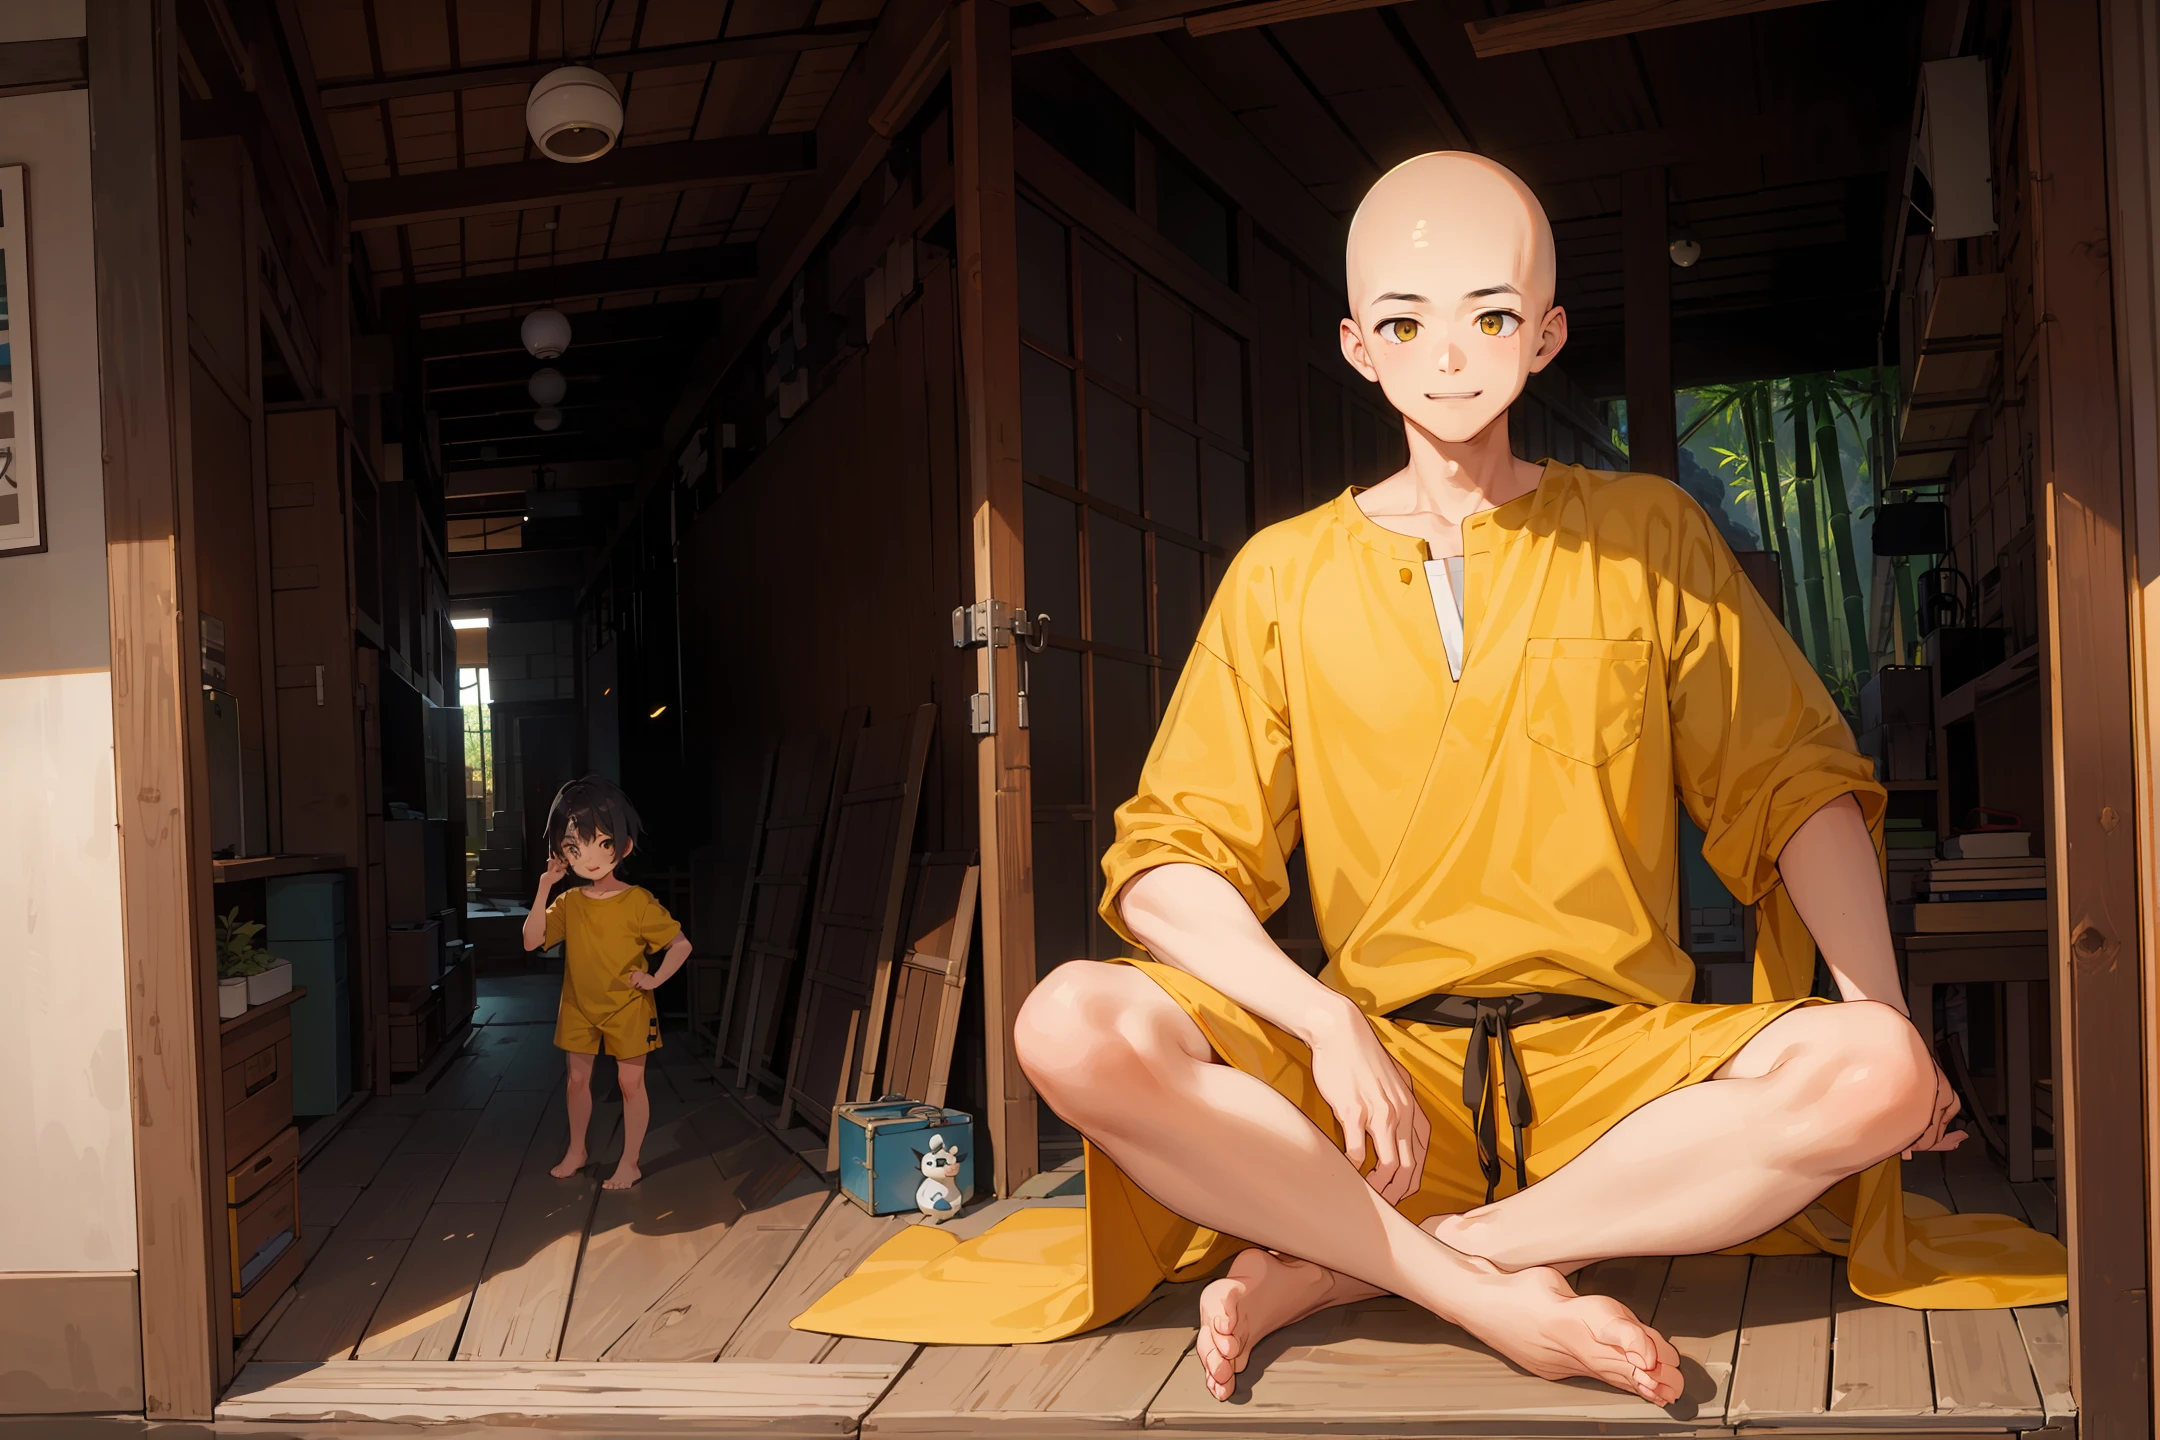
point(1371, 1094)
point(1939, 1135)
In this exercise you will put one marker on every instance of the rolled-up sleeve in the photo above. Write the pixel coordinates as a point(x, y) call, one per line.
point(1758, 744)
point(1219, 788)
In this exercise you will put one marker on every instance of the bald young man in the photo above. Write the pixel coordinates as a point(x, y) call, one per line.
point(1472, 692)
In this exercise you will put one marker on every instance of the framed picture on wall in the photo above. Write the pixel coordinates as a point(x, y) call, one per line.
point(22, 487)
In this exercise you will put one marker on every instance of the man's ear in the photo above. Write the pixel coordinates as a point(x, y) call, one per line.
point(1552, 334)
point(1353, 350)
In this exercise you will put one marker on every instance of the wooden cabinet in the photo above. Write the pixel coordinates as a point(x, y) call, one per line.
point(256, 1065)
point(262, 1222)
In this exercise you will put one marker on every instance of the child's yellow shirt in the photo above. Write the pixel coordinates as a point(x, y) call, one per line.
point(605, 942)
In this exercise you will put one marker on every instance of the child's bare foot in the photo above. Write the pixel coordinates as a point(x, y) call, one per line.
point(1262, 1293)
point(571, 1164)
point(626, 1175)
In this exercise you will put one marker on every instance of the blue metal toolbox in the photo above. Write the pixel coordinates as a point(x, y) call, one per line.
point(881, 1148)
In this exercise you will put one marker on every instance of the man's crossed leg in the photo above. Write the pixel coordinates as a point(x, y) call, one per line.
point(1819, 1094)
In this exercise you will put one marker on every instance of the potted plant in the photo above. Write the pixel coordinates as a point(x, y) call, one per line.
point(247, 973)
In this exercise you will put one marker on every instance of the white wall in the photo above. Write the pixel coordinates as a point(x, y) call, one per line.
point(67, 1189)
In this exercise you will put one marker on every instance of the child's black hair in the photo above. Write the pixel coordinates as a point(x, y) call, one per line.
point(590, 807)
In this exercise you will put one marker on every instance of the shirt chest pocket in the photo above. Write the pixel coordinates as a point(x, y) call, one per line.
point(1584, 698)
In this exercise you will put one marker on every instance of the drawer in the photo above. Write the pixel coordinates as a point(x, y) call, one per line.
point(260, 1168)
point(249, 1309)
point(258, 1100)
point(268, 1215)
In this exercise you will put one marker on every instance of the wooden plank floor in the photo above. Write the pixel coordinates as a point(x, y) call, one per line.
point(453, 1281)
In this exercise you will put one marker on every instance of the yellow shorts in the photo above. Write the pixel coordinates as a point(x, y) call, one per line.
point(1586, 1073)
point(632, 1031)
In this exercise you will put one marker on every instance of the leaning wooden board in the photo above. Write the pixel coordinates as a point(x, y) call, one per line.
point(855, 921)
point(915, 1003)
point(776, 897)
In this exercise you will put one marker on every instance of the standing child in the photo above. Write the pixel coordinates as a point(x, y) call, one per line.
point(608, 930)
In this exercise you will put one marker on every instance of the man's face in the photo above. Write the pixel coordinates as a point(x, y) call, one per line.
point(592, 856)
point(1451, 297)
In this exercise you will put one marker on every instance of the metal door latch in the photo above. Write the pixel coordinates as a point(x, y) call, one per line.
point(991, 626)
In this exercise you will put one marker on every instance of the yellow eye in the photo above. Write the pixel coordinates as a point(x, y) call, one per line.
point(1498, 322)
point(1399, 331)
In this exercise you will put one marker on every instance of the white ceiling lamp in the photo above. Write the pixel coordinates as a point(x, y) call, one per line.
point(573, 114)
point(1685, 247)
point(547, 417)
point(547, 386)
point(546, 333)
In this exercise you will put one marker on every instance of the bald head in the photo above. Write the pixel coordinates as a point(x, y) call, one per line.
point(1450, 272)
point(1454, 207)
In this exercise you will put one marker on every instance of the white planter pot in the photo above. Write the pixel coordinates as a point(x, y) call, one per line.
point(232, 1001)
point(267, 985)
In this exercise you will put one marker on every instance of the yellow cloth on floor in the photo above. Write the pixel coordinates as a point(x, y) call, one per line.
point(1511, 831)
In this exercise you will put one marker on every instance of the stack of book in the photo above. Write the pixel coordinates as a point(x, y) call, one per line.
point(1985, 881)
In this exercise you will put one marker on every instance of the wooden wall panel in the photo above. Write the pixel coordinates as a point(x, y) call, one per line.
point(2091, 782)
point(157, 727)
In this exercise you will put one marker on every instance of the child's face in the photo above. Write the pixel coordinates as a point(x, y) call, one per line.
point(592, 856)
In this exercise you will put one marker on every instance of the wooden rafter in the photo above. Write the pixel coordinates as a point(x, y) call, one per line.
point(627, 325)
point(670, 270)
point(1602, 20)
point(621, 62)
point(533, 184)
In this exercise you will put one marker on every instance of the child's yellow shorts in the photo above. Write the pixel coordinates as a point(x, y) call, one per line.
point(632, 1031)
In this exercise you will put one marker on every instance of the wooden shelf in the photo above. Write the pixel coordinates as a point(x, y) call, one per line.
point(264, 867)
point(1956, 705)
point(1910, 784)
point(256, 1012)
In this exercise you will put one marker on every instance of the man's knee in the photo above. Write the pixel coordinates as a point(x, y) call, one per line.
point(1070, 1036)
point(1869, 1079)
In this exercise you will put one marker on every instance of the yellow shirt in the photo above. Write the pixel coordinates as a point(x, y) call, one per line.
point(1515, 830)
point(605, 943)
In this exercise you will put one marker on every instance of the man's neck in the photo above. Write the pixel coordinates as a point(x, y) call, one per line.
point(1446, 482)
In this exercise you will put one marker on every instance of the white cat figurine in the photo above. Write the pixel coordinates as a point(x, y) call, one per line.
point(938, 1197)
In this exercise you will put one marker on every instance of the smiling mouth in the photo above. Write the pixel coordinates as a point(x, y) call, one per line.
point(1459, 395)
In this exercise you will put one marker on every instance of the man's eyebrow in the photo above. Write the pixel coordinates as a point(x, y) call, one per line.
point(1398, 295)
point(1493, 290)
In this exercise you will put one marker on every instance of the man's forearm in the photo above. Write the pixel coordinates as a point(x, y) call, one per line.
point(1835, 881)
point(1192, 918)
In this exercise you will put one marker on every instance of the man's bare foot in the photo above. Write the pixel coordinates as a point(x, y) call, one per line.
point(1535, 1320)
point(1262, 1293)
point(625, 1176)
point(573, 1162)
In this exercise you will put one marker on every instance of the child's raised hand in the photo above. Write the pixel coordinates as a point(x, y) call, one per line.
point(554, 872)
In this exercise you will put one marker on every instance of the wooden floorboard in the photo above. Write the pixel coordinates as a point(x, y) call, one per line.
point(1699, 1312)
point(425, 1305)
point(2046, 1331)
point(839, 1239)
point(334, 1299)
point(322, 1206)
point(438, 1132)
point(487, 1168)
point(701, 1312)
point(1387, 1367)
point(1923, 1175)
point(1101, 1381)
point(774, 1400)
point(392, 1207)
point(643, 1239)
point(1782, 1370)
point(1879, 1365)
point(524, 1291)
point(1981, 1369)
point(356, 1153)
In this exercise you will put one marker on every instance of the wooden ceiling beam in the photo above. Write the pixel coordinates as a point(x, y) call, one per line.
point(627, 324)
point(669, 270)
point(621, 62)
point(1601, 20)
point(536, 184)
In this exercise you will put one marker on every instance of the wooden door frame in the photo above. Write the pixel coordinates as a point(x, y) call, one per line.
point(2131, 45)
point(2092, 774)
point(160, 780)
point(980, 44)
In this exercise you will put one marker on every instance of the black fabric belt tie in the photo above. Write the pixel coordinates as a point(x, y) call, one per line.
point(1490, 1018)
